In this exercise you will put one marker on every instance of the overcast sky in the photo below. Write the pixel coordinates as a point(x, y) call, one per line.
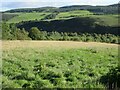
point(12, 4)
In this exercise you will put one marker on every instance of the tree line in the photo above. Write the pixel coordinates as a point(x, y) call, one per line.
point(11, 32)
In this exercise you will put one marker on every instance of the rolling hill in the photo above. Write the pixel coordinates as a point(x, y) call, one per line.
point(110, 9)
point(102, 14)
point(74, 18)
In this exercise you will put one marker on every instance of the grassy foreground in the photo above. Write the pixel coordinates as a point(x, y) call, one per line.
point(39, 64)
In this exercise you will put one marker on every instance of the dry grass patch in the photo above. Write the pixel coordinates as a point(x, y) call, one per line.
point(55, 44)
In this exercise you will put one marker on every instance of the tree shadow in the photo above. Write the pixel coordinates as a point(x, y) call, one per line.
point(112, 79)
point(80, 25)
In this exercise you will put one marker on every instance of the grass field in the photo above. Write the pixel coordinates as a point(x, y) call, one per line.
point(39, 64)
point(75, 13)
point(27, 17)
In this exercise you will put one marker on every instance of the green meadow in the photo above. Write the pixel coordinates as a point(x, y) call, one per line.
point(56, 64)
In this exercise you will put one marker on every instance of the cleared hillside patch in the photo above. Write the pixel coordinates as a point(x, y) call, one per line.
point(106, 20)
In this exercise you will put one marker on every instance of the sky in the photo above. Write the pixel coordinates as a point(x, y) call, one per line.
point(13, 4)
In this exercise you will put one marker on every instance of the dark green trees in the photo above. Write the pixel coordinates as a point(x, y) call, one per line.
point(11, 32)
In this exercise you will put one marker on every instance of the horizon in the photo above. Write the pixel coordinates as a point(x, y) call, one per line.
point(19, 4)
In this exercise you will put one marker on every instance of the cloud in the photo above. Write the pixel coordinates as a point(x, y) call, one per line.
point(91, 2)
point(14, 5)
point(28, 1)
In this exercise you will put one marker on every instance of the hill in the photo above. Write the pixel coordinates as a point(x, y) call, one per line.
point(102, 14)
point(110, 9)
point(50, 22)
point(28, 10)
point(105, 20)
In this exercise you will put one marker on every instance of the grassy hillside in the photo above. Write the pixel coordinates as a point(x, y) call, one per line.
point(106, 20)
point(41, 15)
point(75, 20)
point(102, 14)
point(34, 64)
point(75, 13)
point(27, 17)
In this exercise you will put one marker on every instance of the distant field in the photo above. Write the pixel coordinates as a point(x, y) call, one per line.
point(75, 13)
point(27, 17)
point(40, 64)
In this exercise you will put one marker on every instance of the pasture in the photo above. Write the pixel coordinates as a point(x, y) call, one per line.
point(56, 64)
